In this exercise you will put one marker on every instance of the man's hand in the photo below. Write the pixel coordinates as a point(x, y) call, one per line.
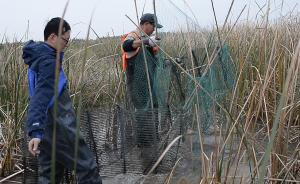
point(33, 146)
point(154, 41)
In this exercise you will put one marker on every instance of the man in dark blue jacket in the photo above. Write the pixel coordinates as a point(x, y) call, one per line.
point(41, 58)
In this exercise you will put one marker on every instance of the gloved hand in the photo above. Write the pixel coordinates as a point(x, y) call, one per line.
point(154, 41)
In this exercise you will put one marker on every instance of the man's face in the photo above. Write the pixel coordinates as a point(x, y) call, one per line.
point(63, 41)
point(59, 43)
point(148, 28)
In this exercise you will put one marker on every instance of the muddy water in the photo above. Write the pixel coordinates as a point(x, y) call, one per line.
point(189, 168)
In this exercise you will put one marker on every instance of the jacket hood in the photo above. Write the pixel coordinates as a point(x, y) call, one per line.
point(34, 50)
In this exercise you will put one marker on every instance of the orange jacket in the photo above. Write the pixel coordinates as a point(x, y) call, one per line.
point(127, 55)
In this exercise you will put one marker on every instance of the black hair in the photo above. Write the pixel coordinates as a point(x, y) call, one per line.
point(53, 27)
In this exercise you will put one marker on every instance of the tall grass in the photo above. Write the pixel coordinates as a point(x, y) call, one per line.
point(265, 58)
point(13, 103)
point(264, 104)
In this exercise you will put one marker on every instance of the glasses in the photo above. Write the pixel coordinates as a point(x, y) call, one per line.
point(66, 40)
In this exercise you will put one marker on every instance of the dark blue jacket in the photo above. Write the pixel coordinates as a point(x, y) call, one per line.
point(41, 59)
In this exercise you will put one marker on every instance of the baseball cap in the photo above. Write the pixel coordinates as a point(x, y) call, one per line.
point(149, 17)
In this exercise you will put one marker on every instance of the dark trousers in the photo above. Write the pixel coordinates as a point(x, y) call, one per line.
point(86, 167)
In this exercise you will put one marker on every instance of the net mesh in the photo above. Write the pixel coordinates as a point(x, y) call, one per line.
point(216, 83)
point(131, 139)
point(113, 137)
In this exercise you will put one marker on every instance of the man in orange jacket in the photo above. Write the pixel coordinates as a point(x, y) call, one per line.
point(138, 78)
point(133, 41)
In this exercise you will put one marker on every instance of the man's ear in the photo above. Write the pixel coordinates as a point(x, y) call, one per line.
point(51, 37)
point(52, 40)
